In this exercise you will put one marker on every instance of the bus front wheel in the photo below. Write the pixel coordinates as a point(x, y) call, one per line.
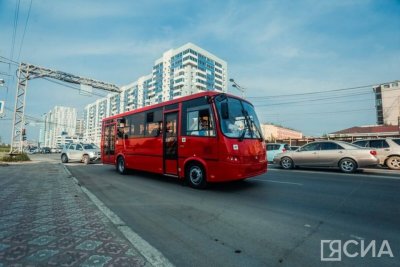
point(121, 168)
point(196, 176)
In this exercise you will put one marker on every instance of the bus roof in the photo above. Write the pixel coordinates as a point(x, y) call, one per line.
point(169, 102)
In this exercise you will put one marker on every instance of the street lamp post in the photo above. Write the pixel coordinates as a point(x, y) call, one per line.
point(238, 87)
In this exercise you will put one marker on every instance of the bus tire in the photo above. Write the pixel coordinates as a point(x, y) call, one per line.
point(121, 168)
point(196, 176)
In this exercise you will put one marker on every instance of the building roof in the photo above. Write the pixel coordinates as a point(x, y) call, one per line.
point(377, 129)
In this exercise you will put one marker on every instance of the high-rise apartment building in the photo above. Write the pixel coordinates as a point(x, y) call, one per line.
point(58, 121)
point(387, 103)
point(80, 127)
point(179, 72)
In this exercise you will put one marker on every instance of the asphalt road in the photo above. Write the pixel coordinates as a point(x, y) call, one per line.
point(277, 219)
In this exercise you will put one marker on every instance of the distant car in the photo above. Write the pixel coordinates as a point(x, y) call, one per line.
point(275, 148)
point(45, 150)
point(347, 157)
point(388, 150)
point(85, 153)
point(294, 147)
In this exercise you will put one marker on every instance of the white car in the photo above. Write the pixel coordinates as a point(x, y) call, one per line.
point(85, 153)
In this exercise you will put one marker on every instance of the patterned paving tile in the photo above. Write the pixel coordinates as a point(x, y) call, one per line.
point(45, 220)
point(44, 228)
point(42, 255)
point(83, 232)
point(113, 248)
point(42, 240)
point(4, 233)
point(127, 262)
point(66, 242)
point(96, 261)
point(89, 245)
point(3, 246)
point(67, 258)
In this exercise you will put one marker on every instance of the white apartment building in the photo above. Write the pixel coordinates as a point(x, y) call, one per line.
point(186, 70)
point(80, 127)
point(387, 103)
point(58, 121)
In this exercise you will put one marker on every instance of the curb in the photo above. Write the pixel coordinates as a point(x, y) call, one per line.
point(151, 254)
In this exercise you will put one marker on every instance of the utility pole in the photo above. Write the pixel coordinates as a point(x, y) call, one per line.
point(28, 72)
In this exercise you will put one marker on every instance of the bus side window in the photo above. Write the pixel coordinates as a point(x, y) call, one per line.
point(137, 125)
point(153, 123)
point(200, 122)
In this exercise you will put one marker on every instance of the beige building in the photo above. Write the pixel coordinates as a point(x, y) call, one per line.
point(387, 103)
point(272, 133)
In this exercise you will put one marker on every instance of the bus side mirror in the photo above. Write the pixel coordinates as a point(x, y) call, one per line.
point(224, 110)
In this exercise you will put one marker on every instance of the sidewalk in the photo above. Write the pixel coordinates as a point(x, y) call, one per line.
point(46, 220)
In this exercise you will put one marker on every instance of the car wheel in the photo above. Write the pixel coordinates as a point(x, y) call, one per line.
point(86, 159)
point(348, 165)
point(121, 165)
point(64, 158)
point(287, 163)
point(196, 176)
point(393, 163)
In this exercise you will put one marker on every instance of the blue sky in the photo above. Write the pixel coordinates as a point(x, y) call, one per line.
point(272, 48)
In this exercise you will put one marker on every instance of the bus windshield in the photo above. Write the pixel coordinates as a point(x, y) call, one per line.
point(241, 122)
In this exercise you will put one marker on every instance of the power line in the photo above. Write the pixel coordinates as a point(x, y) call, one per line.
point(307, 100)
point(326, 112)
point(10, 61)
point(315, 92)
point(72, 87)
point(23, 35)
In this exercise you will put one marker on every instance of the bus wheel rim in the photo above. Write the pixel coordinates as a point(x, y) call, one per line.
point(196, 175)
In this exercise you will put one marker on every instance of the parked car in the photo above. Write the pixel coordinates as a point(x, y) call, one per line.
point(45, 150)
point(275, 148)
point(85, 153)
point(347, 157)
point(388, 150)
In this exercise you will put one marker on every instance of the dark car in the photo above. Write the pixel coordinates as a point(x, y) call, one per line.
point(45, 150)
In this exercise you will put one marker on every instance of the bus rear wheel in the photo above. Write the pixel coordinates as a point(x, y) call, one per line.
point(196, 176)
point(121, 168)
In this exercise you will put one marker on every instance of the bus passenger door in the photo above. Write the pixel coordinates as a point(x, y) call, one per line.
point(170, 140)
point(108, 155)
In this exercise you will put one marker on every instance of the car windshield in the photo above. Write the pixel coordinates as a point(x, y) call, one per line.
point(242, 121)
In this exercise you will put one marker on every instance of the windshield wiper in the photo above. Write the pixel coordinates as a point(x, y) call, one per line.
point(241, 137)
point(258, 130)
point(247, 122)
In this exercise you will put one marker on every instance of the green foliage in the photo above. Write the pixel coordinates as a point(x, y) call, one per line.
point(4, 148)
point(15, 158)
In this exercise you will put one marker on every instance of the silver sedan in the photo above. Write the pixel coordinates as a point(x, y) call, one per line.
point(347, 157)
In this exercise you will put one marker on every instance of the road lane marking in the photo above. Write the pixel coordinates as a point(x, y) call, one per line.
point(279, 182)
point(152, 255)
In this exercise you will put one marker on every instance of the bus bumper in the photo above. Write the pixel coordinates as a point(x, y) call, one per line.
point(235, 171)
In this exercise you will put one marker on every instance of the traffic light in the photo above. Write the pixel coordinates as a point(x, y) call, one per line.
point(23, 134)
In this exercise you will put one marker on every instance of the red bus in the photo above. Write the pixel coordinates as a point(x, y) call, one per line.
point(205, 137)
